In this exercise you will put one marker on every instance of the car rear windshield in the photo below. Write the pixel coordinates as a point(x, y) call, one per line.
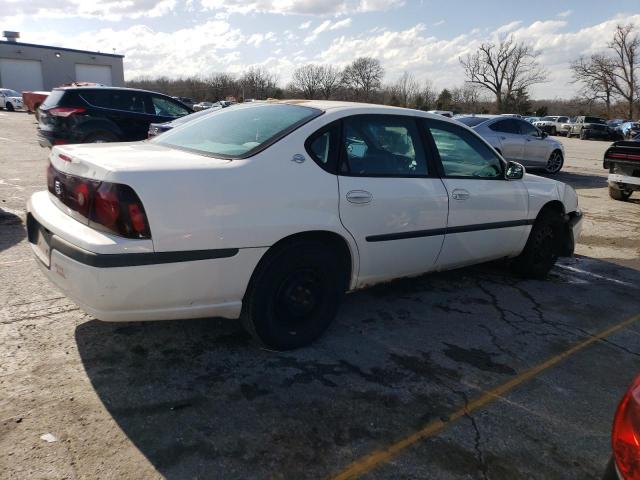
point(53, 99)
point(238, 132)
point(594, 120)
point(471, 121)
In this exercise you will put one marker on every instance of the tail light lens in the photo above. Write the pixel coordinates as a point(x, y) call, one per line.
point(65, 112)
point(111, 207)
point(625, 438)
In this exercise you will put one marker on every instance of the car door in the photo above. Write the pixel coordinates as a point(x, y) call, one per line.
point(577, 127)
point(511, 140)
point(535, 145)
point(391, 199)
point(487, 213)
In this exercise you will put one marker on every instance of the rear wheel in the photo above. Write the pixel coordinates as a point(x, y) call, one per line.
point(555, 162)
point(293, 295)
point(100, 137)
point(9, 107)
point(619, 194)
point(543, 246)
point(584, 134)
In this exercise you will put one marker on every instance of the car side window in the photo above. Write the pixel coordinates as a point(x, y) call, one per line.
point(322, 146)
point(463, 154)
point(382, 145)
point(505, 126)
point(527, 129)
point(166, 108)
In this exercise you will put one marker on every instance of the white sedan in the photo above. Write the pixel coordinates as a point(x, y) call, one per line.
point(270, 212)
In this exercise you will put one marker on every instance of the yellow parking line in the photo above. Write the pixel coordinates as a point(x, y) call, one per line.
point(374, 459)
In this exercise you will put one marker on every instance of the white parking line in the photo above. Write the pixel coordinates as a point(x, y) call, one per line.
point(595, 275)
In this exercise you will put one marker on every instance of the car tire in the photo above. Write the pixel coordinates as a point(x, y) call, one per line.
point(555, 162)
point(293, 295)
point(9, 107)
point(542, 248)
point(619, 194)
point(100, 137)
point(584, 134)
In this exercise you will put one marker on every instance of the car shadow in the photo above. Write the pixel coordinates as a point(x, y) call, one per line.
point(12, 230)
point(200, 400)
point(577, 180)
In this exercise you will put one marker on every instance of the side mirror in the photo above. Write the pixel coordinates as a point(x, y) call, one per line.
point(514, 171)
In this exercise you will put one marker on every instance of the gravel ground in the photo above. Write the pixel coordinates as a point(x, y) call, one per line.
point(197, 399)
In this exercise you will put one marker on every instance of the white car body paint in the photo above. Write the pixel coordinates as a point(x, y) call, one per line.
point(195, 202)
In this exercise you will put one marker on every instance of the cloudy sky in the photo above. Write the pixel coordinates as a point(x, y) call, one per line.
point(424, 37)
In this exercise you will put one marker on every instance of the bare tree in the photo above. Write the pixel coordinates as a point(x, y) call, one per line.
point(308, 80)
point(426, 97)
point(329, 80)
point(221, 85)
point(626, 50)
point(257, 82)
point(466, 98)
point(363, 76)
point(503, 69)
point(406, 89)
point(595, 74)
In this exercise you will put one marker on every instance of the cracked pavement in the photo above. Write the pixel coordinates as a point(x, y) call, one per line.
point(197, 399)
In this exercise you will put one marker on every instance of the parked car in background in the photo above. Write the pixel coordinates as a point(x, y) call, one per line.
point(566, 126)
point(531, 119)
point(519, 141)
point(625, 437)
point(189, 102)
point(10, 100)
point(629, 129)
point(622, 159)
point(587, 127)
point(103, 114)
point(156, 129)
point(349, 195)
point(33, 100)
point(550, 125)
point(202, 106)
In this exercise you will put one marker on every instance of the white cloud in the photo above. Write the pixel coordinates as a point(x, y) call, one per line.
point(305, 25)
point(565, 14)
point(438, 23)
point(112, 10)
point(326, 26)
point(301, 7)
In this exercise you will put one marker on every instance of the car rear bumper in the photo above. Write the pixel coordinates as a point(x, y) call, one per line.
point(49, 139)
point(123, 286)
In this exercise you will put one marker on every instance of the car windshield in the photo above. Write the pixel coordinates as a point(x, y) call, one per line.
point(238, 132)
point(10, 93)
point(472, 121)
point(594, 120)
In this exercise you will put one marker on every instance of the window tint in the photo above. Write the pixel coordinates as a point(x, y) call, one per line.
point(463, 154)
point(472, 121)
point(167, 108)
point(505, 126)
point(320, 147)
point(237, 131)
point(594, 120)
point(53, 99)
point(563, 119)
point(527, 129)
point(382, 145)
point(127, 101)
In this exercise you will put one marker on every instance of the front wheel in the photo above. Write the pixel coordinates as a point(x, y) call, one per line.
point(543, 246)
point(618, 194)
point(9, 107)
point(100, 137)
point(555, 163)
point(294, 295)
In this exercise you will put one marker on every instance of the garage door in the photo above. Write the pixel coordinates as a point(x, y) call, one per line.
point(21, 75)
point(93, 73)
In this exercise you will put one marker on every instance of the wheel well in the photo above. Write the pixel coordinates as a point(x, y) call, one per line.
point(329, 239)
point(552, 206)
point(566, 242)
point(559, 151)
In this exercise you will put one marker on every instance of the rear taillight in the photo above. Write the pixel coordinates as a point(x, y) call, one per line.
point(112, 207)
point(65, 111)
point(622, 156)
point(625, 438)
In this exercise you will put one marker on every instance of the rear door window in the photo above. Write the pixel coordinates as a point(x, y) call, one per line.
point(505, 126)
point(124, 100)
point(53, 99)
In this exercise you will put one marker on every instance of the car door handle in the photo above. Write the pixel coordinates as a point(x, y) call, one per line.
point(459, 194)
point(359, 196)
